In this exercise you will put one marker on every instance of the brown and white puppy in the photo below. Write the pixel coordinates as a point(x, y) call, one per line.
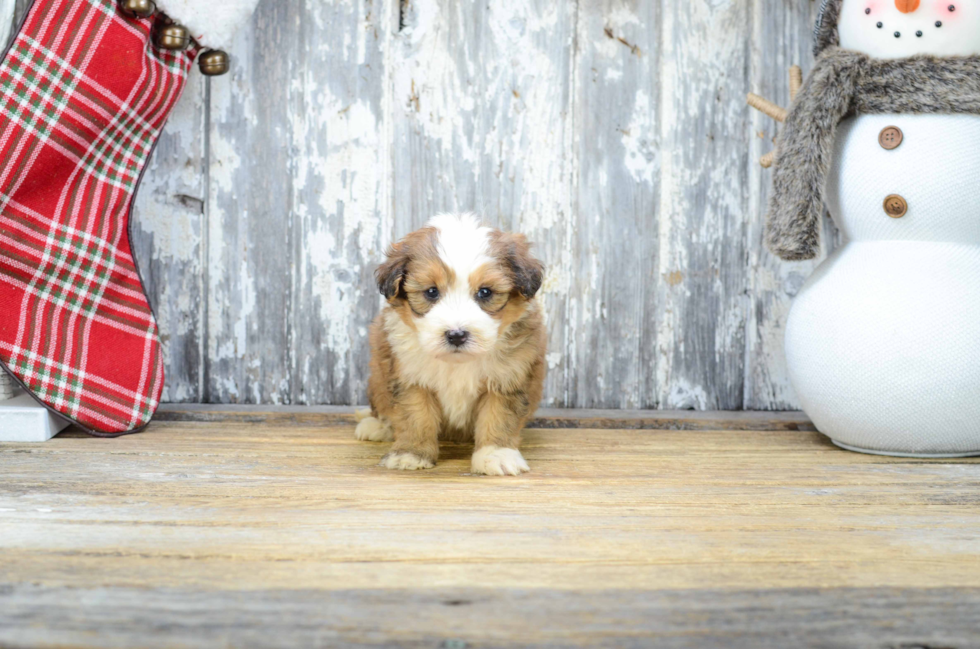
point(459, 351)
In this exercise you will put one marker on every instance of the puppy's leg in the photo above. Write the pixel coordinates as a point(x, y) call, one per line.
point(374, 429)
point(498, 434)
point(416, 420)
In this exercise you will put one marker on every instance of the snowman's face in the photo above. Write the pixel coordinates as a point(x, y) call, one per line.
point(893, 29)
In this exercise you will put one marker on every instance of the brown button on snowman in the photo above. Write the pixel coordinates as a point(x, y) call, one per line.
point(883, 341)
point(890, 137)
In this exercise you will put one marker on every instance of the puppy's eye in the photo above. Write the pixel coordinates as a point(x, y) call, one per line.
point(432, 293)
point(484, 294)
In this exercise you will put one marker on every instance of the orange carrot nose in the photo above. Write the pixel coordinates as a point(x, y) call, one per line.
point(906, 6)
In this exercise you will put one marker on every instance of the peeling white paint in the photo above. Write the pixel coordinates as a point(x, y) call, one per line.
point(553, 359)
point(684, 396)
point(642, 156)
point(247, 311)
point(579, 123)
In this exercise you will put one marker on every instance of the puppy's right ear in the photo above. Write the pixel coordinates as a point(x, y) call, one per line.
point(391, 274)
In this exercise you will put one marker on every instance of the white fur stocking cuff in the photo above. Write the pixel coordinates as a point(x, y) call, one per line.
point(212, 24)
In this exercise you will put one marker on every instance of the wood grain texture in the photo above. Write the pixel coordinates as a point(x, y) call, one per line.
point(168, 242)
point(612, 341)
point(470, 617)
point(613, 132)
point(250, 235)
point(20, 10)
point(8, 20)
point(481, 121)
point(297, 155)
point(701, 298)
point(562, 418)
point(782, 34)
point(260, 534)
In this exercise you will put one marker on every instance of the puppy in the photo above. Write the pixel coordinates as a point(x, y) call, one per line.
point(459, 351)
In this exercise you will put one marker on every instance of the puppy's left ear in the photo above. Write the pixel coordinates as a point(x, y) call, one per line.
point(528, 272)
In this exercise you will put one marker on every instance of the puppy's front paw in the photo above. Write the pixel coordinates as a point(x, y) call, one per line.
point(493, 460)
point(372, 429)
point(404, 461)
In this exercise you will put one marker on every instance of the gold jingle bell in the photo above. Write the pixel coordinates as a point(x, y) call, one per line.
point(173, 37)
point(138, 8)
point(214, 63)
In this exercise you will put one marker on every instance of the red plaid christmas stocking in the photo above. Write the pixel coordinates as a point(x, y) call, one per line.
point(83, 96)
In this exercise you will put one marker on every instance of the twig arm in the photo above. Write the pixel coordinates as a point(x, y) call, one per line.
point(795, 81)
point(774, 111)
point(766, 107)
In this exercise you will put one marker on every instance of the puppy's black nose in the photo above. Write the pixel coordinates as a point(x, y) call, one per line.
point(457, 337)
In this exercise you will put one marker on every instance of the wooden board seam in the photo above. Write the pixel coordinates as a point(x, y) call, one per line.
point(545, 418)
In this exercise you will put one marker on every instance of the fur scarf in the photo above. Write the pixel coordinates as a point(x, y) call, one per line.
point(825, 34)
point(845, 83)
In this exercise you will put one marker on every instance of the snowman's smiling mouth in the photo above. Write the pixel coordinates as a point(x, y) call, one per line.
point(897, 29)
point(906, 7)
point(918, 32)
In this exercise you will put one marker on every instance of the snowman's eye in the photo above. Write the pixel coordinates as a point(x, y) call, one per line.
point(952, 7)
point(868, 10)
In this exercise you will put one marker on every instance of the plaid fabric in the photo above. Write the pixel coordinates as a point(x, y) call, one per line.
point(83, 96)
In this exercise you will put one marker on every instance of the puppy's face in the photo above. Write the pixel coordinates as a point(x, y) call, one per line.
point(459, 285)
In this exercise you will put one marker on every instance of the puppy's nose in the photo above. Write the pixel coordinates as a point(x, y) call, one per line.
point(906, 6)
point(457, 337)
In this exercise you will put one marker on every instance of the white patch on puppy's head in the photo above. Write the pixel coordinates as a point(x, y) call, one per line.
point(894, 29)
point(457, 328)
point(459, 285)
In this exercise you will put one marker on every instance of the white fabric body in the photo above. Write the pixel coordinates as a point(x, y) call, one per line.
point(212, 24)
point(883, 341)
point(958, 32)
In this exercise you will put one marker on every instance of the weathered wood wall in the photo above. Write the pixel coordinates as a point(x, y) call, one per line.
point(613, 132)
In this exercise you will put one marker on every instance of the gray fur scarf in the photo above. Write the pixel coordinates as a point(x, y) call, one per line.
point(845, 83)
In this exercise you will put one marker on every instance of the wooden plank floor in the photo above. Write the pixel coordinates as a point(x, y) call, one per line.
point(279, 530)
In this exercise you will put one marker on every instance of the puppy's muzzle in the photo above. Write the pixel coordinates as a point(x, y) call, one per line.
point(457, 338)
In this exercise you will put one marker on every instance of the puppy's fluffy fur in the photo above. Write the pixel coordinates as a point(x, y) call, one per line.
point(458, 352)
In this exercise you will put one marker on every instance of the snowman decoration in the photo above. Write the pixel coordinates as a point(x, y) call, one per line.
point(883, 341)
